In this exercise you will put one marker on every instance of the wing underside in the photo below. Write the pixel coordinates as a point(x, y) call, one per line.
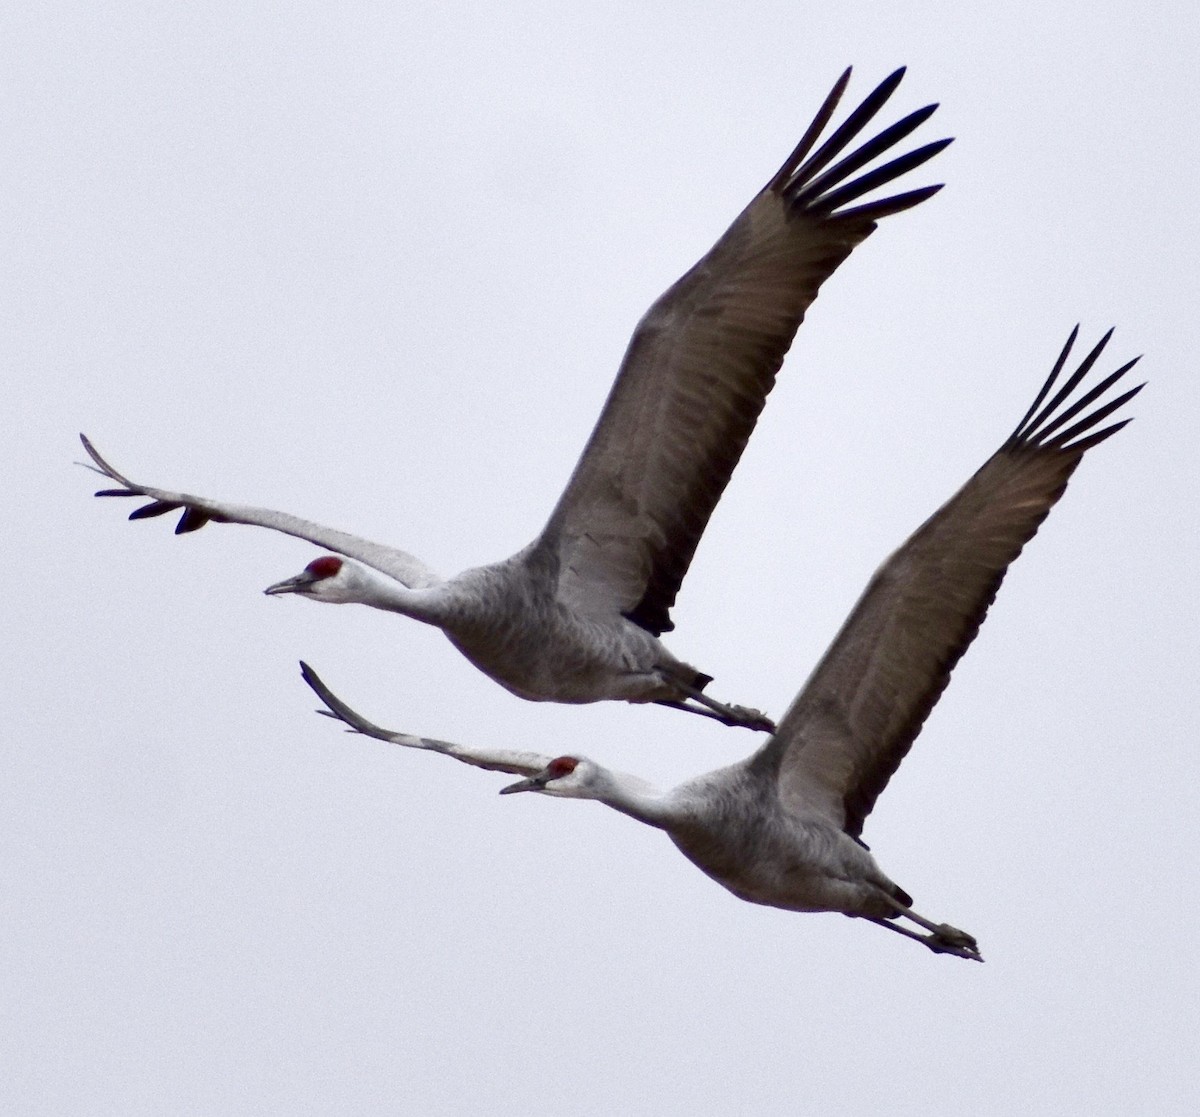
point(196, 511)
point(701, 363)
point(858, 715)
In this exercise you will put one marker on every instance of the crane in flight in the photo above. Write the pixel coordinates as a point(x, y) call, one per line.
point(782, 827)
point(576, 615)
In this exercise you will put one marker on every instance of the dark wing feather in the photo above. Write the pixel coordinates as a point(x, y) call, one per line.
point(494, 760)
point(700, 365)
point(858, 715)
point(198, 511)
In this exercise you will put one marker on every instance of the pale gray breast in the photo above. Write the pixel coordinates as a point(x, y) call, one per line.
point(507, 620)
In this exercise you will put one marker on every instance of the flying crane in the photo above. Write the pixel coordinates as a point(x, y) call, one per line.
point(783, 826)
point(575, 616)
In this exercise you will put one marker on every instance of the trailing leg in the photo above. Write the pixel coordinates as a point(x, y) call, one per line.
point(723, 712)
point(942, 938)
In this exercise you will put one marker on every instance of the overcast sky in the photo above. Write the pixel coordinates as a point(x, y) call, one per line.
point(376, 264)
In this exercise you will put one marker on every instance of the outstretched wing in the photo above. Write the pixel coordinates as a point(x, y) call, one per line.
point(856, 718)
point(198, 511)
point(700, 365)
point(494, 760)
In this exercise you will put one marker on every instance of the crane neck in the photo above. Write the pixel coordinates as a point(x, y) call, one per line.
point(426, 604)
point(636, 798)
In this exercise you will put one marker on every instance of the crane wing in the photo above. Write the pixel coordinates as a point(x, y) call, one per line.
point(856, 718)
point(494, 760)
point(198, 511)
point(701, 362)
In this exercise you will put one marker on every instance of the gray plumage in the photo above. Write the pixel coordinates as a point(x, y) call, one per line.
point(575, 616)
point(783, 826)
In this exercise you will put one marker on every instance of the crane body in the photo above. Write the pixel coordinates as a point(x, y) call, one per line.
point(576, 616)
point(783, 826)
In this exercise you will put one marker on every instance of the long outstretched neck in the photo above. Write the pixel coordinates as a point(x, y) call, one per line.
point(635, 797)
point(338, 581)
point(428, 604)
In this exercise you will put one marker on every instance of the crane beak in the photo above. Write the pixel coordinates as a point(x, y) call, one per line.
point(298, 584)
point(534, 783)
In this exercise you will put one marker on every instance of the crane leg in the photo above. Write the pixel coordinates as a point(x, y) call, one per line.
point(957, 942)
point(721, 711)
point(942, 938)
point(680, 705)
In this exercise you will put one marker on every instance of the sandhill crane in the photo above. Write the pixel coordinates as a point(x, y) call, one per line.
point(576, 615)
point(783, 826)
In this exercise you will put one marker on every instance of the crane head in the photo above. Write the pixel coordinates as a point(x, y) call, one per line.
point(564, 775)
point(327, 578)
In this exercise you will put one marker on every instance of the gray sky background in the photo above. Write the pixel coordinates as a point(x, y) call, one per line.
point(376, 264)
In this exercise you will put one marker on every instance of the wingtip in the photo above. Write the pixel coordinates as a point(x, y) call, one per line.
point(323, 693)
point(1045, 427)
point(314, 681)
point(889, 85)
point(191, 520)
point(99, 465)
